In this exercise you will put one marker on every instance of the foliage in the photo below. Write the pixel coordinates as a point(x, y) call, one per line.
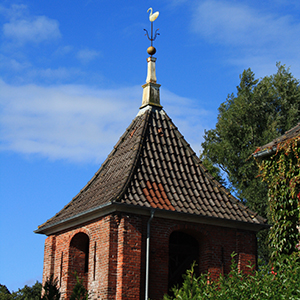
point(4, 290)
point(213, 170)
point(262, 110)
point(33, 293)
point(51, 289)
point(4, 293)
point(279, 281)
point(281, 172)
point(26, 293)
point(79, 292)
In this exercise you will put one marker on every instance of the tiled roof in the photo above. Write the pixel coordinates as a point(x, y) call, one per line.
point(152, 166)
point(292, 133)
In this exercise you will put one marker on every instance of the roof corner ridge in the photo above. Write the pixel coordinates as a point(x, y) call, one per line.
point(123, 189)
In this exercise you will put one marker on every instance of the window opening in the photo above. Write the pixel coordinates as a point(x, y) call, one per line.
point(79, 259)
point(183, 251)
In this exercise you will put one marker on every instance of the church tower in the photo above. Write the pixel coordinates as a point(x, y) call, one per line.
point(149, 211)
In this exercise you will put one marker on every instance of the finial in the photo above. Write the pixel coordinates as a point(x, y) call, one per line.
point(152, 17)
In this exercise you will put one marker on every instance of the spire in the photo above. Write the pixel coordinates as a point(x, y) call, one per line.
point(151, 88)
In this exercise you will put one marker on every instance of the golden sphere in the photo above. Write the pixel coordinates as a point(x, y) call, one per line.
point(151, 50)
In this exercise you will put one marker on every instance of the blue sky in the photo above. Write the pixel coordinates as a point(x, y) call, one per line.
point(70, 81)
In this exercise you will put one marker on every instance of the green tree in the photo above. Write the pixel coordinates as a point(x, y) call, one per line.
point(51, 289)
point(29, 293)
point(26, 293)
point(261, 110)
point(79, 292)
point(4, 293)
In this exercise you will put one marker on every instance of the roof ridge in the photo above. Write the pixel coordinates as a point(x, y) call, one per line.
point(97, 174)
point(108, 158)
point(134, 165)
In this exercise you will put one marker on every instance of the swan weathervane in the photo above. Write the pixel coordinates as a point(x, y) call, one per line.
point(152, 17)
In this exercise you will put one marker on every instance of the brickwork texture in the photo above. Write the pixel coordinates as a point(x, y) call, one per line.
point(109, 253)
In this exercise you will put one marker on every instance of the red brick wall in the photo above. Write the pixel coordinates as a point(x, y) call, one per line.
point(117, 254)
point(129, 258)
point(212, 258)
point(49, 257)
point(98, 232)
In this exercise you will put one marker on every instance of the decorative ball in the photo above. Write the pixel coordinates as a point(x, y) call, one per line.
point(151, 50)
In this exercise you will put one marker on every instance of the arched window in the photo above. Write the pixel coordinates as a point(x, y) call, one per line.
point(79, 259)
point(183, 251)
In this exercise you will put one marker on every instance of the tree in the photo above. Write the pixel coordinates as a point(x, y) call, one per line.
point(26, 293)
point(261, 110)
point(4, 293)
point(29, 293)
point(79, 292)
point(51, 289)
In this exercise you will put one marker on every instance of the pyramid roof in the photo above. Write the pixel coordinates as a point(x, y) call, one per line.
point(153, 167)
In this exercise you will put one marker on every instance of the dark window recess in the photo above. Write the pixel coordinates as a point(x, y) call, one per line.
point(79, 253)
point(183, 251)
point(78, 260)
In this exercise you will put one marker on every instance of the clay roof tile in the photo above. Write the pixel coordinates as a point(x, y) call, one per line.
point(153, 166)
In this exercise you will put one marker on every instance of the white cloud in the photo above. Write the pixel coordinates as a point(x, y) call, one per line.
point(237, 24)
point(64, 50)
point(12, 64)
point(257, 36)
point(87, 55)
point(15, 11)
point(58, 74)
point(79, 123)
point(70, 122)
point(35, 30)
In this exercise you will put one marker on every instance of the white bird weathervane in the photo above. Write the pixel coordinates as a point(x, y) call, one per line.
point(152, 17)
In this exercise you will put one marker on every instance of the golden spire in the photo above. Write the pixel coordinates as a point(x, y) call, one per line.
point(151, 88)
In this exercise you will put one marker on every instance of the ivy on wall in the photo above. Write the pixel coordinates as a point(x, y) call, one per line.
point(281, 171)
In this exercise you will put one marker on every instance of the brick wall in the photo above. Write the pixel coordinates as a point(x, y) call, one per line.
point(117, 254)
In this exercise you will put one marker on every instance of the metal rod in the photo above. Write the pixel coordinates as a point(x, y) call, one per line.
point(147, 254)
point(151, 34)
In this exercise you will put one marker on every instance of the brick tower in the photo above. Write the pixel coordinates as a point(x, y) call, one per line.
point(146, 215)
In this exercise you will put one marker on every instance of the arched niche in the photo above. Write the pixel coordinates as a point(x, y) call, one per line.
point(78, 259)
point(183, 251)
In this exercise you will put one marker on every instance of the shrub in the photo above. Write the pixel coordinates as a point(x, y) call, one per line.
point(277, 281)
point(51, 289)
point(79, 292)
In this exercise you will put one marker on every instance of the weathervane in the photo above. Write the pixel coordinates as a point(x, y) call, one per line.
point(152, 17)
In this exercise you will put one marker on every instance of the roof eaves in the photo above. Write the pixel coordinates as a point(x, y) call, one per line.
point(72, 221)
point(256, 225)
point(264, 153)
point(107, 208)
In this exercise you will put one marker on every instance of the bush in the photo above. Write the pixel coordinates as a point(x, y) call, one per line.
point(51, 289)
point(26, 293)
point(79, 292)
point(277, 281)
